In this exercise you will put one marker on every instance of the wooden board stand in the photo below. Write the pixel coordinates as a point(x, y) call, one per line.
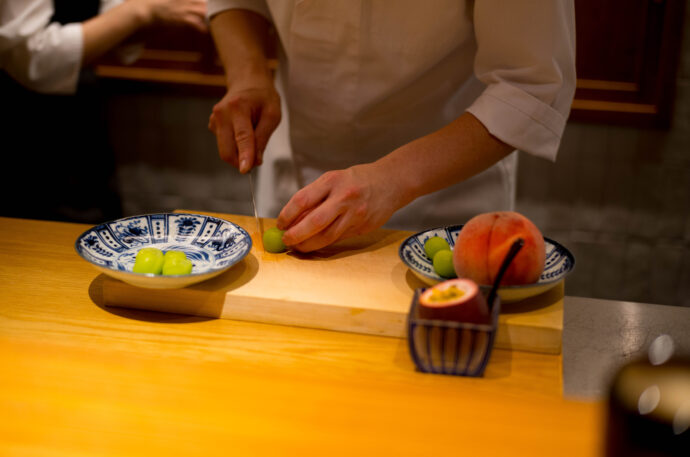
point(359, 285)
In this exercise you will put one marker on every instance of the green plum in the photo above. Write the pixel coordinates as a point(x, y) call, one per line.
point(177, 265)
point(173, 255)
point(435, 244)
point(443, 263)
point(149, 260)
point(273, 240)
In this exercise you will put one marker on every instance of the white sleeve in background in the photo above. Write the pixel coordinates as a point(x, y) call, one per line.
point(526, 57)
point(41, 56)
point(214, 7)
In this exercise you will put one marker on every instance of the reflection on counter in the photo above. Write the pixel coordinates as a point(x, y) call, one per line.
point(601, 336)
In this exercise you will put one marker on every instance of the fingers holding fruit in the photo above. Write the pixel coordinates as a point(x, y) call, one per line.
point(340, 204)
point(316, 239)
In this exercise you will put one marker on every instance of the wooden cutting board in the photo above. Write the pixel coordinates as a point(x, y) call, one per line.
point(359, 285)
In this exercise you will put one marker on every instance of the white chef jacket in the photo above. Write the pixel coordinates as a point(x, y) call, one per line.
point(363, 77)
point(42, 56)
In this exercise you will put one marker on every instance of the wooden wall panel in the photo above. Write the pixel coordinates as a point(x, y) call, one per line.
point(627, 57)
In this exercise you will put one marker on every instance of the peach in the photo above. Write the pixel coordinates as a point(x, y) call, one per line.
point(456, 300)
point(485, 240)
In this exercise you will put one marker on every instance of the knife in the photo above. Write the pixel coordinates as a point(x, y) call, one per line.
point(256, 214)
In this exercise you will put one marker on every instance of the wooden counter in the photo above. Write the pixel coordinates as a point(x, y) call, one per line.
point(79, 378)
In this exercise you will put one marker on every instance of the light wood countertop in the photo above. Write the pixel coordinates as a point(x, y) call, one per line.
point(78, 378)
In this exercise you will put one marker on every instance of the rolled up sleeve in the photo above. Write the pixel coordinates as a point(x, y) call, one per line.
point(48, 60)
point(526, 58)
point(257, 6)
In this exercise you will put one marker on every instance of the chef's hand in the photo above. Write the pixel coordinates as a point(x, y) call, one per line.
point(338, 205)
point(187, 12)
point(244, 120)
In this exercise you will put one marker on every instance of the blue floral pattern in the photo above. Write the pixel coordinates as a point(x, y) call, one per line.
point(186, 226)
point(132, 232)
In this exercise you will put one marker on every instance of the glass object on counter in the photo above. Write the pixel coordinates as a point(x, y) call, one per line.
point(648, 411)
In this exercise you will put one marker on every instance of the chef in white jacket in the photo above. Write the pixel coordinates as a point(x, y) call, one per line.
point(402, 113)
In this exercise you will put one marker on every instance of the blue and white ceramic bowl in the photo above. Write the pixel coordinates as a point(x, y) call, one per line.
point(213, 245)
point(559, 262)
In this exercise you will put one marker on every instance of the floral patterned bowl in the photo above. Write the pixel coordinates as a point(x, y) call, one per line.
point(559, 263)
point(213, 245)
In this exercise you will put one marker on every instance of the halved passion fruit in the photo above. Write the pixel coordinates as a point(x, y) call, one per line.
point(455, 300)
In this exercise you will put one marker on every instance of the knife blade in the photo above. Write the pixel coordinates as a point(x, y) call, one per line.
point(256, 214)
